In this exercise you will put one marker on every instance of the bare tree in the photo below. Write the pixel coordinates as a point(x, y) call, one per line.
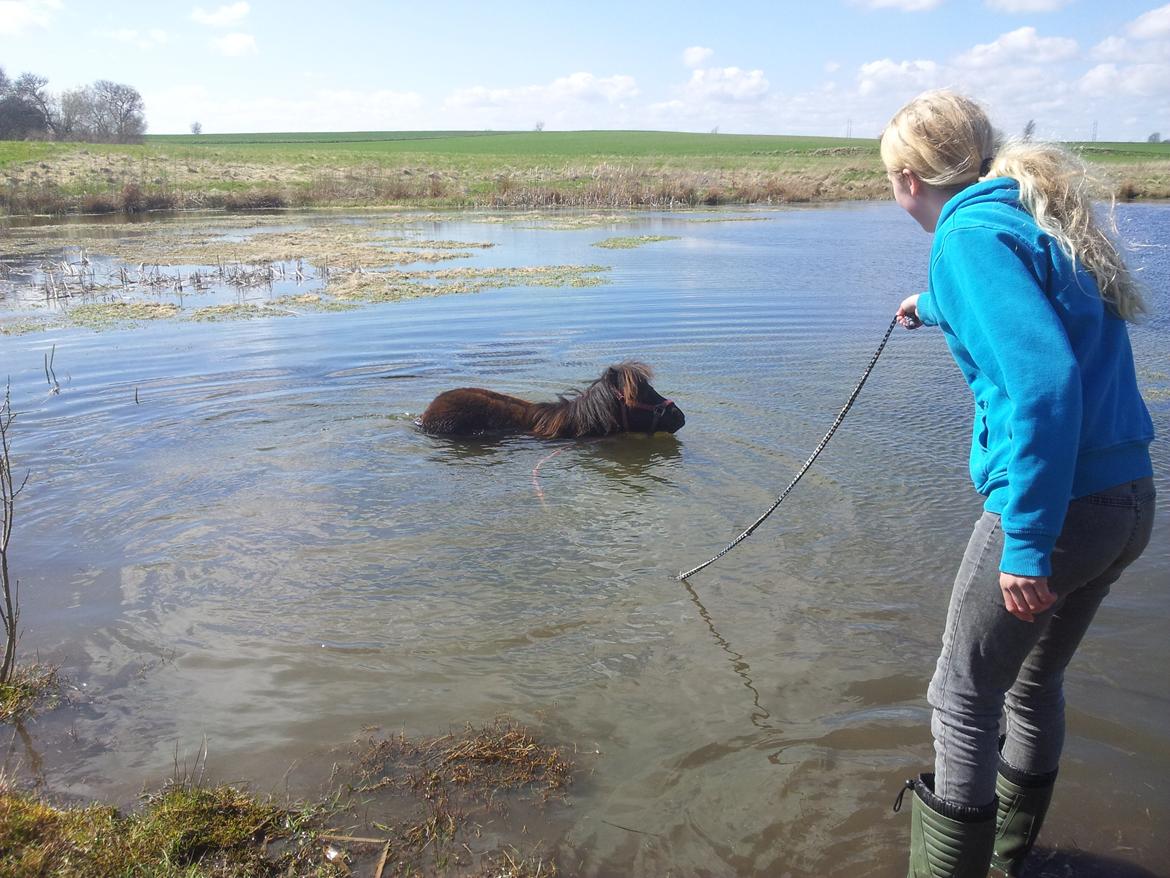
point(120, 109)
point(1156, 137)
point(196, 128)
point(75, 118)
point(24, 107)
point(10, 608)
point(33, 90)
point(539, 126)
point(19, 121)
point(106, 111)
point(1030, 129)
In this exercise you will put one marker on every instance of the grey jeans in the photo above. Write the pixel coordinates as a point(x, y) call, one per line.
point(993, 663)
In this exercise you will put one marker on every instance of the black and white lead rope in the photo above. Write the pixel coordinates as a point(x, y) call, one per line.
point(905, 321)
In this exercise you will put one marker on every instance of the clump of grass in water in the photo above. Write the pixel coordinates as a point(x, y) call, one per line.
point(522, 276)
point(214, 313)
point(30, 687)
point(390, 286)
point(24, 326)
point(399, 241)
point(502, 756)
point(99, 314)
point(311, 302)
point(454, 777)
point(629, 243)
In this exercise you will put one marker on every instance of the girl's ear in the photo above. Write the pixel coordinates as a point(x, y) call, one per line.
point(913, 182)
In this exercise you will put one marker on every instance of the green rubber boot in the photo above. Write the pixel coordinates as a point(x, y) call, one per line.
point(947, 840)
point(1023, 802)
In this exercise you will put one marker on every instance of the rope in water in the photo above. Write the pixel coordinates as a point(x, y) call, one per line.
point(816, 452)
point(536, 474)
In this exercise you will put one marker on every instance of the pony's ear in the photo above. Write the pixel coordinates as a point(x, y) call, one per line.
point(618, 381)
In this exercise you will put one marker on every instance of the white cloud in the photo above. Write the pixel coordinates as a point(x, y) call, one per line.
point(1152, 25)
point(1137, 80)
point(1017, 6)
point(729, 98)
point(224, 16)
point(577, 87)
point(140, 39)
point(235, 45)
point(1112, 49)
point(904, 5)
point(832, 66)
point(726, 84)
point(17, 16)
point(693, 56)
point(1122, 51)
point(888, 75)
point(1022, 46)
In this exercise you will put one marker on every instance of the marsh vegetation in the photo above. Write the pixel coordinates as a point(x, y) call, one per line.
point(616, 169)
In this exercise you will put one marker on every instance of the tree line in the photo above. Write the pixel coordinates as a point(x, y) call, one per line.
point(104, 112)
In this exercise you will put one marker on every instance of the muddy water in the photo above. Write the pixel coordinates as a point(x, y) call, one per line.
point(234, 532)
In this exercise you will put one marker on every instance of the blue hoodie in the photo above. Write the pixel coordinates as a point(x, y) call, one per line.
point(1058, 414)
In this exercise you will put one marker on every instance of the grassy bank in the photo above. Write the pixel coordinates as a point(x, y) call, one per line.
point(407, 808)
point(477, 169)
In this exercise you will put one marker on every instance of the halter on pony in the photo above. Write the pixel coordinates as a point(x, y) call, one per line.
point(659, 410)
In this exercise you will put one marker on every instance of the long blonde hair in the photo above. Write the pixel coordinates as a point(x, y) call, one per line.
point(948, 142)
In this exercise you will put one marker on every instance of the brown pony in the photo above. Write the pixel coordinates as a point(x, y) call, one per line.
point(620, 401)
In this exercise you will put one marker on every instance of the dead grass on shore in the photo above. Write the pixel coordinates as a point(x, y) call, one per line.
point(184, 831)
point(131, 180)
point(87, 182)
point(1144, 181)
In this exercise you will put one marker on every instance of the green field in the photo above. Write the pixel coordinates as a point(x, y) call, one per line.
point(593, 169)
point(558, 143)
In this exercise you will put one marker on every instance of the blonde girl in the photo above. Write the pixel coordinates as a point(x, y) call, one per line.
point(1032, 297)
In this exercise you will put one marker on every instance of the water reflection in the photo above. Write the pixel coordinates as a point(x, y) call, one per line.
point(759, 713)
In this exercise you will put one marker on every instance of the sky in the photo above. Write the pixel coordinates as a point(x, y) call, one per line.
point(1078, 69)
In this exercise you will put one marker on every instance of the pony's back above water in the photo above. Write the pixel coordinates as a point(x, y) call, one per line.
point(620, 400)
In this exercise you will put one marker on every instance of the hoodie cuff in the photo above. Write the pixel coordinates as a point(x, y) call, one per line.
point(1027, 554)
point(925, 309)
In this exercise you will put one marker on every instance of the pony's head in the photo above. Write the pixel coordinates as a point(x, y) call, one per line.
point(620, 401)
point(642, 408)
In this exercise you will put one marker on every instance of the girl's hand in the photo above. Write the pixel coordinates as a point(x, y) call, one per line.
point(1024, 596)
point(908, 313)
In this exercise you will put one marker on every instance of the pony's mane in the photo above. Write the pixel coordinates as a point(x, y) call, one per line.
point(592, 411)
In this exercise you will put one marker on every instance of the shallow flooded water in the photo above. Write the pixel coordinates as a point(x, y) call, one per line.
point(234, 532)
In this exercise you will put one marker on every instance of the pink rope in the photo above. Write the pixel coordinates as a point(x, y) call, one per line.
point(536, 474)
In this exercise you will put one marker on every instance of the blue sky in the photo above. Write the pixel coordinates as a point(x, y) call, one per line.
point(824, 67)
